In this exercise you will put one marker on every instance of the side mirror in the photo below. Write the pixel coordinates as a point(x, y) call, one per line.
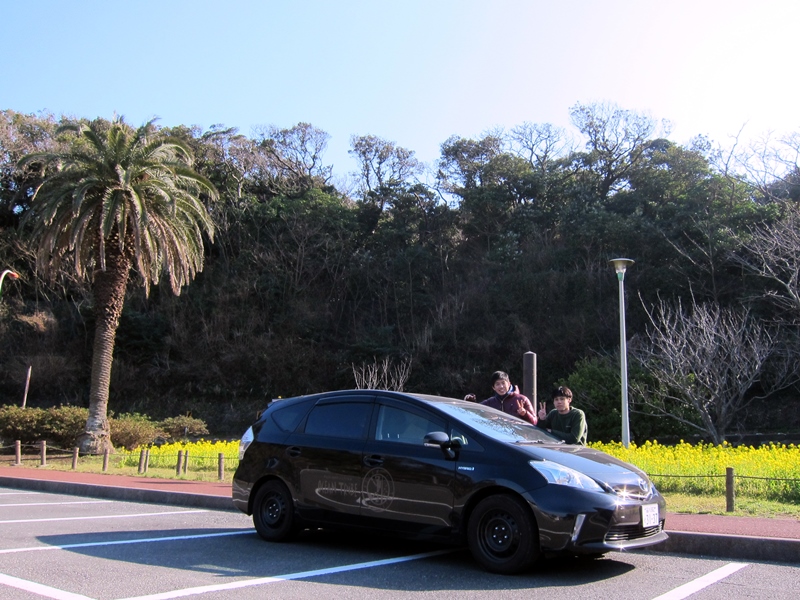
point(439, 439)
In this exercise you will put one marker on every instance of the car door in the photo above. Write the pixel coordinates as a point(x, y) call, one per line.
point(406, 485)
point(326, 454)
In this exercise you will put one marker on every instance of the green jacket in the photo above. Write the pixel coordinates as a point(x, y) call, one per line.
point(570, 427)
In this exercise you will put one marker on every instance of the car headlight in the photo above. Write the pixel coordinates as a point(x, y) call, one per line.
point(246, 440)
point(561, 475)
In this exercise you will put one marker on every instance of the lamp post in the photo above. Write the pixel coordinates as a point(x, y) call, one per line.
point(620, 265)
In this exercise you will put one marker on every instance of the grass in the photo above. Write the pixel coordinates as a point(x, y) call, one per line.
point(744, 507)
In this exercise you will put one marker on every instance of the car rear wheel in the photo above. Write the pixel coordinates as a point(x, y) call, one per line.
point(502, 535)
point(273, 512)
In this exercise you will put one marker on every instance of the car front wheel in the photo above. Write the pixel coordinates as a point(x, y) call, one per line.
point(273, 512)
point(503, 536)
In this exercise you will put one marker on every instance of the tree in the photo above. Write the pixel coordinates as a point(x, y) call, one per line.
point(773, 253)
point(712, 362)
point(383, 166)
point(616, 142)
point(116, 200)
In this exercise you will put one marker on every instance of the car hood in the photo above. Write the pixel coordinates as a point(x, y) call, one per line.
point(617, 474)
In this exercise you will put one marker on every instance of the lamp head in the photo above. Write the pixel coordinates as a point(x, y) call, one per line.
point(620, 264)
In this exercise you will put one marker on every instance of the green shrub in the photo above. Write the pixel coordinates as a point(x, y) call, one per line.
point(132, 430)
point(23, 424)
point(183, 427)
point(62, 425)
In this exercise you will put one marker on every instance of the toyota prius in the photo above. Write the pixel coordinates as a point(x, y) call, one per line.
point(439, 468)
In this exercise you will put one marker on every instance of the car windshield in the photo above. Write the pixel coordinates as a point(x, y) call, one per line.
point(497, 425)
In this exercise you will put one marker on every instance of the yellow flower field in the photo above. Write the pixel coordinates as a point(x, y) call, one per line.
point(203, 455)
point(770, 471)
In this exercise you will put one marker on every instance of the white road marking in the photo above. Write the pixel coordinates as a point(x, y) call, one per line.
point(38, 588)
point(703, 582)
point(154, 514)
point(59, 503)
point(134, 541)
point(220, 587)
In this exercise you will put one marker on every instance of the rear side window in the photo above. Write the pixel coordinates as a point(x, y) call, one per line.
point(341, 420)
point(289, 417)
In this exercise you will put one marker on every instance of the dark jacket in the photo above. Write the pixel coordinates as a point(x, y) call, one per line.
point(509, 404)
point(570, 427)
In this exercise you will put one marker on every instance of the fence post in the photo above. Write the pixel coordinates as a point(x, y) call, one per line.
point(17, 453)
point(146, 460)
point(141, 461)
point(105, 459)
point(180, 463)
point(75, 452)
point(185, 461)
point(730, 494)
point(43, 453)
point(221, 466)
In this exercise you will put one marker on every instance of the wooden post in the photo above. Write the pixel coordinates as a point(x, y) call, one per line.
point(185, 461)
point(27, 385)
point(221, 466)
point(105, 460)
point(75, 452)
point(146, 460)
point(17, 453)
point(43, 453)
point(141, 461)
point(730, 494)
point(180, 463)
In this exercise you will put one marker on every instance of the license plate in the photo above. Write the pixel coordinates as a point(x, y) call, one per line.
point(649, 515)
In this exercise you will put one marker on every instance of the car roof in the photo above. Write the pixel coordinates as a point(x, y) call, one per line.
point(425, 398)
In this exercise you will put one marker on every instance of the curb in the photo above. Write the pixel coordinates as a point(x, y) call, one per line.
point(709, 545)
point(120, 493)
point(740, 547)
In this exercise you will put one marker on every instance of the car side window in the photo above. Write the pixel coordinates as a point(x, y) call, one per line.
point(397, 425)
point(341, 420)
point(289, 417)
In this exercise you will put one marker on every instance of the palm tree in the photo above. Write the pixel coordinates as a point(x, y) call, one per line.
point(117, 200)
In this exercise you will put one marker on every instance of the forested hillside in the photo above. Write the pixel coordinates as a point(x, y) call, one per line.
point(450, 271)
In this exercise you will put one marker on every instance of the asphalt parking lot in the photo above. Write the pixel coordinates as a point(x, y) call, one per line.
point(67, 547)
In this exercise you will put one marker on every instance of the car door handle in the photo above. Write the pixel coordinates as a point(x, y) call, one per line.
point(373, 461)
point(294, 451)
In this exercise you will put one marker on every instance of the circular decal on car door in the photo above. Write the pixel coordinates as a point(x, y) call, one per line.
point(377, 489)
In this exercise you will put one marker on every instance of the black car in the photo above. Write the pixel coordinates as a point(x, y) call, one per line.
point(439, 468)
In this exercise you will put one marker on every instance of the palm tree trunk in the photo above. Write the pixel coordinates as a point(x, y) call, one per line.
point(109, 296)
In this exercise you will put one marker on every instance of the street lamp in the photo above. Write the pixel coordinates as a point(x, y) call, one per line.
point(620, 265)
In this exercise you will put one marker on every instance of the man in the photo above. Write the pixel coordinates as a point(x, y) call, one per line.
point(564, 422)
point(508, 399)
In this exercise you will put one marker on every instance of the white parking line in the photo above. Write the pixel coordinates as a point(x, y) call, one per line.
point(59, 503)
point(700, 583)
point(221, 587)
point(155, 514)
point(134, 541)
point(38, 588)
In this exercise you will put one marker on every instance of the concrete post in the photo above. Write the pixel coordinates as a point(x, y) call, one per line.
point(529, 378)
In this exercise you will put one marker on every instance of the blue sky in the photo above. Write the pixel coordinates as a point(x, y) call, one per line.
point(413, 71)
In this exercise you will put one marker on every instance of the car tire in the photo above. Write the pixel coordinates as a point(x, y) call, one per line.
point(502, 535)
point(273, 512)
